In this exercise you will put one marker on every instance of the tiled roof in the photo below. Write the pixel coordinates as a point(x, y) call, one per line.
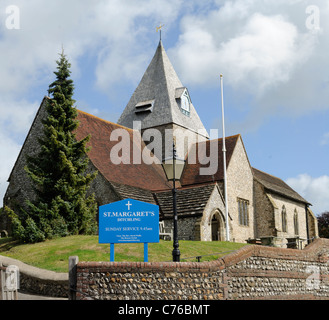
point(150, 177)
point(130, 192)
point(191, 174)
point(276, 185)
point(190, 201)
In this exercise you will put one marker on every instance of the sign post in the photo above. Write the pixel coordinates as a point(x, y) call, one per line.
point(129, 221)
point(112, 252)
point(146, 252)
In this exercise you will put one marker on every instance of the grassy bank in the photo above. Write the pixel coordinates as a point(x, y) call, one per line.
point(54, 254)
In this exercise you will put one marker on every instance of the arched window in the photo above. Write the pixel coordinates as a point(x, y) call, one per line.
point(296, 223)
point(243, 212)
point(284, 219)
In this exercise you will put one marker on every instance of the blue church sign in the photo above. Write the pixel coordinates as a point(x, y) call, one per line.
point(128, 221)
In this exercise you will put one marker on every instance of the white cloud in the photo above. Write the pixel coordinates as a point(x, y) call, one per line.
point(16, 115)
point(108, 30)
point(262, 55)
point(314, 190)
point(265, 51)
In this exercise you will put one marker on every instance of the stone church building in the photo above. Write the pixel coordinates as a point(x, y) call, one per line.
point(261, 207)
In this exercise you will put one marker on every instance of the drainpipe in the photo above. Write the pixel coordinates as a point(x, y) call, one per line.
point(307, 231)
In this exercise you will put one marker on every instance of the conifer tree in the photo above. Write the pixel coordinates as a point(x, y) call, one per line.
point(58, 171)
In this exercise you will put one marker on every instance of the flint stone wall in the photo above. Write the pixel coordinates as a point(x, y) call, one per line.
point(252, 272)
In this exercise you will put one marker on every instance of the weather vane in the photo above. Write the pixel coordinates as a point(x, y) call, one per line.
point(159, 29)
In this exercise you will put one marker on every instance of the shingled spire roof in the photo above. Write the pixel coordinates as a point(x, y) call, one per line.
point(155, 101)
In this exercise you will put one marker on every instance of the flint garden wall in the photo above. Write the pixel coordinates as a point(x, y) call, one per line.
point(252, 272)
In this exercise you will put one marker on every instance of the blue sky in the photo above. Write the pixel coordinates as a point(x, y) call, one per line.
point(273, 55)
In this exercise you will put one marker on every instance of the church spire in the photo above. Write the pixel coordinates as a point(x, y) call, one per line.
point(157, 99)
point(160, 100)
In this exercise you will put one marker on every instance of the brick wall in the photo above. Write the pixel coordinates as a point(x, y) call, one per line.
point(253, 272)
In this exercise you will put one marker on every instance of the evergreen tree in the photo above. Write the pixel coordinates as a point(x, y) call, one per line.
point(59, 172)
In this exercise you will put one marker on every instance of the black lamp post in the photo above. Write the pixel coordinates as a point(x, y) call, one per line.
point(173, 168)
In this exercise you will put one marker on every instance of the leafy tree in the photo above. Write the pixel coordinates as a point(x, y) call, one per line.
point(58, 171)
point(323, 224)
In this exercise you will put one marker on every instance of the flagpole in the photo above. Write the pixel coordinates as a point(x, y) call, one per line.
point(224, 164)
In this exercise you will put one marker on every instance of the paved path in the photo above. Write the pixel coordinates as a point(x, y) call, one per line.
point(25, 296)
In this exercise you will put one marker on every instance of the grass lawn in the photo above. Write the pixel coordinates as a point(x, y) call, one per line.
point(54, 254)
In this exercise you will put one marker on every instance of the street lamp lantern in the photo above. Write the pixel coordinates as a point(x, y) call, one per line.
point(173, 167)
